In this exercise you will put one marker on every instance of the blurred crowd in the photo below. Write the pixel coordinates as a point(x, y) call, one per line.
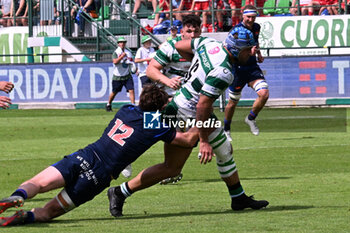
point(224, 13)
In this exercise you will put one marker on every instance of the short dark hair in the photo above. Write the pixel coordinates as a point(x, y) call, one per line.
point(152, 98)
point(191, 20)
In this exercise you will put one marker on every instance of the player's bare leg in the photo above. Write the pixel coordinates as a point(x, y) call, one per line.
point(229, 112)
point(110, 100)
point(261, 88)
point(51, 210)
point(132, 96)
point(175, 158)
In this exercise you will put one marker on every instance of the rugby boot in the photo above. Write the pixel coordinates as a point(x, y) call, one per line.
point(116, 201)
point(228, 135)
point(13, 201)
point(172, 180)
point(253, 127)
point(243, 201)
point(17, 219)
point(109, 108)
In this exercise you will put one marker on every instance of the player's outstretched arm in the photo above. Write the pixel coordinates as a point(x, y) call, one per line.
point(6, 86)
point(185, 49)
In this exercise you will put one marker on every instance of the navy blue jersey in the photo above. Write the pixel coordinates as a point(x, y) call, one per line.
point(256, 31)
point(125, 139)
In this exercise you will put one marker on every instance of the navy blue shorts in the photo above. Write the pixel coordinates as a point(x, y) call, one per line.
point(244, 75)
point(84, 174)
point(145, 80)
point(118, 85)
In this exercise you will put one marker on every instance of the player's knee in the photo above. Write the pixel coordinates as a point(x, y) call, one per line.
point(260, 86)
point(223, 151)
point(264, 94)
point(63, 202)
point(235, 96)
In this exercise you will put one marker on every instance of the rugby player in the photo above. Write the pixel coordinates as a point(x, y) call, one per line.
point(169, 68)
point(87, 172)
point(207, 78)
point(248, 73)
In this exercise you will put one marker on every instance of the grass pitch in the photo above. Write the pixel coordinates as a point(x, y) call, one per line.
point(300, 163)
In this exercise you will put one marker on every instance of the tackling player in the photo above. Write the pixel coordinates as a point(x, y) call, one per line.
point(208, 77)
point(249, 73)
point(87, 172)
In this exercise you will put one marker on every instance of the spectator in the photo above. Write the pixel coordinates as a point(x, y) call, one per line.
point(122, 58)
point(84, 8)
point(138, 4)
point(307, 7)
point(164, 6)
point(329, 7)
point(46, 12)
point(19, 7)
point(219, 5)
point(173, 32)
point(5, 12)
point(202, 5)
point(115, 11)
point(6, 87)
point(236, 13)
point(143, 57)
point(62, 14)
point(184, 8)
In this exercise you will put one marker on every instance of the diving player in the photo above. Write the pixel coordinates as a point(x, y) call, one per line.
point(87, 172)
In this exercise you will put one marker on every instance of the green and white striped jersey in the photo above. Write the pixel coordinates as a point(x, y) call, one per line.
point(210, 74)
point(174, 65)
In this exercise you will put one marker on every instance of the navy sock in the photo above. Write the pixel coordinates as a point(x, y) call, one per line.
point(30, 217)
point(252, 115)
point(20, 192)
point(227, 125)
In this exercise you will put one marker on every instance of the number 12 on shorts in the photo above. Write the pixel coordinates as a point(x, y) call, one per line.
point(126, 132)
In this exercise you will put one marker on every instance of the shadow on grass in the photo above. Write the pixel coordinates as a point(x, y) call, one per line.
point(247, 178)
point(170, 215)
point(294, 138)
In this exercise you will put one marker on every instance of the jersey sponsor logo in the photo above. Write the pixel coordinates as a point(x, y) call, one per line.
point(204, 57)
point(214, 50)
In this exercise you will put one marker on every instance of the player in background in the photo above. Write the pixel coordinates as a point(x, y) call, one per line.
point(168, 59)
point(208, 77)
point(122, 59)
point(143, 57)
point(249, 73)
point(87, 172)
